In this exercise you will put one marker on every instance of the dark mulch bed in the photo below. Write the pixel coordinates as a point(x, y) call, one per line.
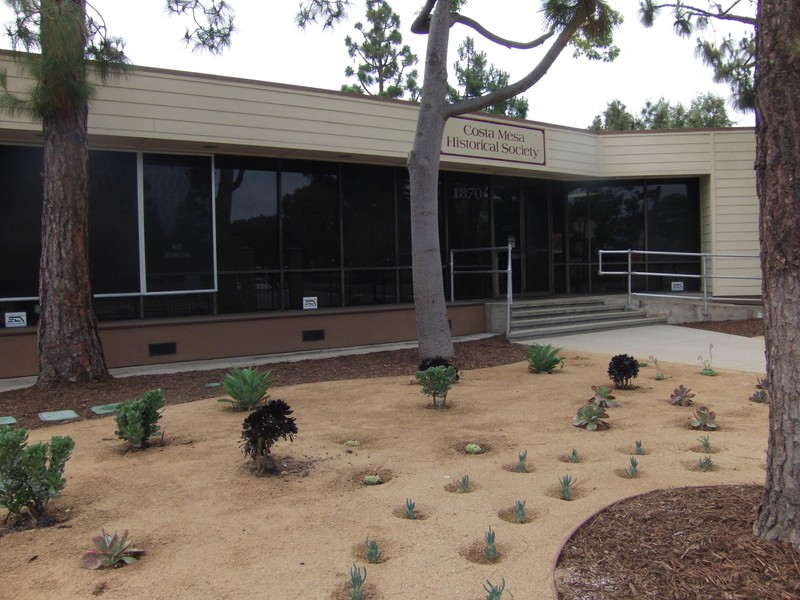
point(25, 405)
point(684, 543)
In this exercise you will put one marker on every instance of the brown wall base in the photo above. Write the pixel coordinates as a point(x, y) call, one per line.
point(177, 340)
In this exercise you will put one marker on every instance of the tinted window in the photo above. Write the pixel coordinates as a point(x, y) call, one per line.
point(20, 225)
point(177, 222)
point(113, 222)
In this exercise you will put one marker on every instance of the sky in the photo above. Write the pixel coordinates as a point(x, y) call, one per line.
point(267, 46)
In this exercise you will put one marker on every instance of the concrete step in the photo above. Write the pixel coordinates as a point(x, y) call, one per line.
point(526, 312)
point(574, 318)
point(540, 334)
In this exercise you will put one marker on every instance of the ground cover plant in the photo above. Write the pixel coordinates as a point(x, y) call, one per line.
point(192, 501)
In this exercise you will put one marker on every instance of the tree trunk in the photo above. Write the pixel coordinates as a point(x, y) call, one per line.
point(433, 328)
point(778, 183)
point(69, 345)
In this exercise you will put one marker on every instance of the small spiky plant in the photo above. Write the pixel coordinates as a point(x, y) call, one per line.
point(633, 471)
point(519, 511)
point(566, 487)
point(357, 579)
point(410, 510)
point(494, 592)
point(705, 464)
point(490, 550)
point(463, 484)
point(573, 456)
point(521, 466)
point(372, 551)
point(638, 449)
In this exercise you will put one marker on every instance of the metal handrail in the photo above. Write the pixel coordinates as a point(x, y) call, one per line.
point(507, 271)
point(703, 276)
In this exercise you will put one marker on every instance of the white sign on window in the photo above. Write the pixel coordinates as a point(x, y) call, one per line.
point(309, 302)
point(16, 319)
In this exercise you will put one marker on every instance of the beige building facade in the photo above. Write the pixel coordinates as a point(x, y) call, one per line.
point(236, 217)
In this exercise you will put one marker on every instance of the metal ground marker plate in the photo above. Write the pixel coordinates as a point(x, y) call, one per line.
point(105, 409)
point(7, 420)
point(58, 415)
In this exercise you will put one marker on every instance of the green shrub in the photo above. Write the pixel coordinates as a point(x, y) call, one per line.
point(246, 387)
point(543, 358)
point(137, 420)
point(31, 476)
point(436, 382)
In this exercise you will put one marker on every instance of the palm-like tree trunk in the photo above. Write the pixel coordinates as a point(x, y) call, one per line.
point(69, 345)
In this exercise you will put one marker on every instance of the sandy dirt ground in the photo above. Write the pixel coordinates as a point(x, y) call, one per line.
point(213, 530)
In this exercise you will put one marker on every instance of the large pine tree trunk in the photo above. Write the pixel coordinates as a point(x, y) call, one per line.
point(433, 329)
point(778, 181)
point(69, 345)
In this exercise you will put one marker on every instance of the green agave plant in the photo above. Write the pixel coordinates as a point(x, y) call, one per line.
point(246, 387)
point(543, 358)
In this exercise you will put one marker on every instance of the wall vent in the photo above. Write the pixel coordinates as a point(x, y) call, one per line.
point(162, 349)
point(314, 335)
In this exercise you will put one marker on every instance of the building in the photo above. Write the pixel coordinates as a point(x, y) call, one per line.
point(232, 217)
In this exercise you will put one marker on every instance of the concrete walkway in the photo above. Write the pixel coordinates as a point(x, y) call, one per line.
point(666, 342)
point(670, 343)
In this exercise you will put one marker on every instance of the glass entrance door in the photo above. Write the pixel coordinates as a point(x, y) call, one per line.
point(537, 246)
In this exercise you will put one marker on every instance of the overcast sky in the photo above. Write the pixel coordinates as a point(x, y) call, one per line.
point(654, 63)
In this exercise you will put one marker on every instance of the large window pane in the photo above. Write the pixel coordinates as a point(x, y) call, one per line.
point(673, 225)
point(617, 218)
point(113, 222)
point(468, 227)
point(310, 215)
point(248, 240)
point(363, 287)
point(20, 227)
point(368, 216)
point(178, 222)
point(673, 219)
point(247, 214)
